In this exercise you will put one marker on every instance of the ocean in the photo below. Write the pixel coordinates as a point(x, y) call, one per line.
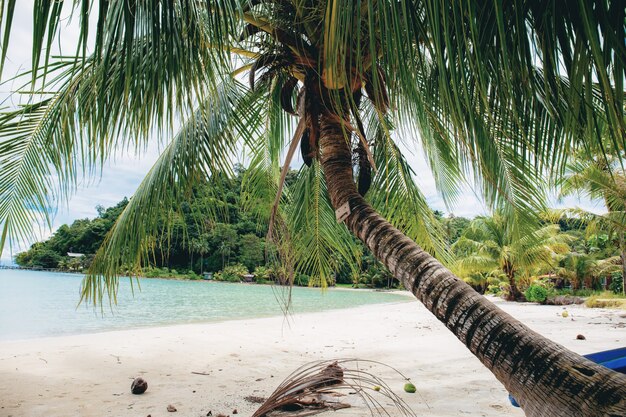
point(41, 304)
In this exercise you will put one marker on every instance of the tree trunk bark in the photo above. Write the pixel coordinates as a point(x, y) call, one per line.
point(514, 292)
point(622, 249)
point(544, 377)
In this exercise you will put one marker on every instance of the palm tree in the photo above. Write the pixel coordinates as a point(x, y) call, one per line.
point(488, 245)
point(199, 245)
point(594, 175)
point(500, 90)
point(578, 268)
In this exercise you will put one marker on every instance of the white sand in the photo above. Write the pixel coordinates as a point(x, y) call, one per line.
point(90, 375)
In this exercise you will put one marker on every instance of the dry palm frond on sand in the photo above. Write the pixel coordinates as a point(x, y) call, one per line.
point(316, 387)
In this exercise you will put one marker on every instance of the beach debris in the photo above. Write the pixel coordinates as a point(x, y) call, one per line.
point(139, 386)
point(581, 337)
point(410, 388)
point(202, 373)
point(209, 414)
point(565, 314)
point(235, 411)
point(254, 399)
point(171, 408)
point(376, 388)
point(563, 300)
point(316, 387)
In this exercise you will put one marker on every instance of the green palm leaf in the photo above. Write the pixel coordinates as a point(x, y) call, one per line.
point(320, 243)
point(204, 148)
point(78, 127)
point(398, 198)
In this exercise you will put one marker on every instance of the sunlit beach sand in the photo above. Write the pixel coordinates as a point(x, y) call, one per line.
point(212, 367)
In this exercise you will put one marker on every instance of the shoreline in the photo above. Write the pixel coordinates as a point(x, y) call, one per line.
point(45, 304)
point(170, 278)
point(192, 323)
point(90, 374)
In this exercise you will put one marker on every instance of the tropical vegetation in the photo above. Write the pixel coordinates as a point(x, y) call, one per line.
point(600, 177)
point(570, 255)
point(502, 92)
point(231, 246)
point(487, 246)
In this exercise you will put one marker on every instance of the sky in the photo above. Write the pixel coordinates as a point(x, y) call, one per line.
point(121, 176)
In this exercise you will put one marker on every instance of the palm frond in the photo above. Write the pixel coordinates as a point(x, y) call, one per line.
point(204, 148)
point(334, 376)
point(91, 106)
point(612, 222)
point(260, 183)
point(474, 263)
point(608, 266)
point(41, 152)
point(320, 242)
point(595, 178)
point(168, 29)
point(488, 243)
point(501, 93)
point(397, 197)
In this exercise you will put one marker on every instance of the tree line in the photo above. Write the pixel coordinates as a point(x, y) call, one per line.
point(231, 243)
point(561, 253)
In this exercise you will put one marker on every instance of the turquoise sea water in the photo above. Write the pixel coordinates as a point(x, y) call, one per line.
point(37, 304)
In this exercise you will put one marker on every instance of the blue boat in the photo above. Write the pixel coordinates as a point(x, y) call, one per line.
point(614, 359)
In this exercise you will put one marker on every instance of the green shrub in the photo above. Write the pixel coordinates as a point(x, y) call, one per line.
point(585, 292)
point(193, 276)
point(232, 273)
point(377, 276)
point(262, 273)
point(301, 280)
point(617, 283)
point(155, 272)
point(536, 293)
point(494, 289)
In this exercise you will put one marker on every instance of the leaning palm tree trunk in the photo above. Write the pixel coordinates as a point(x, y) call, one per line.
point(622, 253)
point(545, 378)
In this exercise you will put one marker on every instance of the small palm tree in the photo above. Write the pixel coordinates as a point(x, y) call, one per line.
point(488, 245)
point(199, 245)
point(501, 91)
point(577, 268)
point(63, 265)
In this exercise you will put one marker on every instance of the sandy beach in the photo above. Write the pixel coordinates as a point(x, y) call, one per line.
point(211, 367)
